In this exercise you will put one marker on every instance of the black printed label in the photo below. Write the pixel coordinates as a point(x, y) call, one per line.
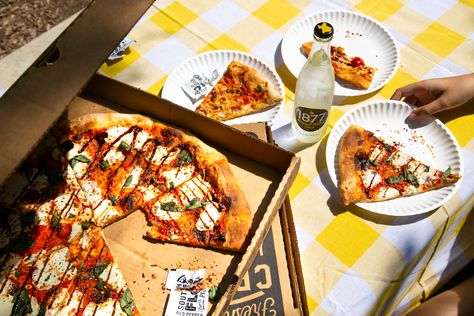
point(310, 120)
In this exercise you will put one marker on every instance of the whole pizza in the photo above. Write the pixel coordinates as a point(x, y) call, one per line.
point(89, 173)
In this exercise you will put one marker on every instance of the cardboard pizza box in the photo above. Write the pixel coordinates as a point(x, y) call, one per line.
point(61, 85)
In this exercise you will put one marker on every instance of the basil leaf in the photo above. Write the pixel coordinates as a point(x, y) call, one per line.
point(389, 158)
point(258, 88)
point(78, 158)
point(86, 225)
point(126, 302)
point(427, 168)
point(184, 158)
point(80, 267)
point(446, 173)
point(55, 220)
point(99, 268)
point(170, 207)
point(410, 176)
point(195, 203)
point(100, 284)
point(125, 146)
point(42, 310)
point(103, 164)
point(171, 185)
point(22, 303)
point(113, 199)
point(387, 147)
point(374, 163)
point(128, 181)
point(395, 179)
point(214, 293)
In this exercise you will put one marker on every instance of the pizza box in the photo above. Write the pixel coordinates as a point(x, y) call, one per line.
point(61, 85)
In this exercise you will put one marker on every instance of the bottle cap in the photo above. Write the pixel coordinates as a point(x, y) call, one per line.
point(323, 31)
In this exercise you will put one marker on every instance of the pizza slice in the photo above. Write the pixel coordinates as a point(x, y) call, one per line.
point(103, 150)
point(371, 170)
point(351, 70)
point(240, 91)
point(75, 274)
point(207, 210)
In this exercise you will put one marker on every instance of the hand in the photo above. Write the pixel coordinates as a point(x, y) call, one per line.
point(436, 95)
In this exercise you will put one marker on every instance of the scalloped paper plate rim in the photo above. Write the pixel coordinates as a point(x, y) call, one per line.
point(432, 144)
point(220, 59)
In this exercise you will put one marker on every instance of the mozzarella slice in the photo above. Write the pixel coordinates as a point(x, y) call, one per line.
point(400, 159)
point(388, 193)
point(208, 217)
point(370, 178)
point(179, 175)
point(376, 154)
point(48, 272)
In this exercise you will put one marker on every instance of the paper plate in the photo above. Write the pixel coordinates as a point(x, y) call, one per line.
point(206, 63)
point(358, 34)
point(433, 144)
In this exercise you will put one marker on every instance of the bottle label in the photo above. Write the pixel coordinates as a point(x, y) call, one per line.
point(310, 120)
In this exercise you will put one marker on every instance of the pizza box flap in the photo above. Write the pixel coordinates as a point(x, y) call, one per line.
point(42, 93)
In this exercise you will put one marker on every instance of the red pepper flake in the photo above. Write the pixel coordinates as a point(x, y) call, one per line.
point(143, 275)
point(153, 276)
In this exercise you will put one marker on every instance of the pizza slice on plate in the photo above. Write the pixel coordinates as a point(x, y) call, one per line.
point(351, 70)
point(240, 91)
point(372, 170)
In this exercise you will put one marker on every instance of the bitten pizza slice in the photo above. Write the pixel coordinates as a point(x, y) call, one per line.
point(240, 91)
point(372, 170)
point(207, 210)
point(351, 70)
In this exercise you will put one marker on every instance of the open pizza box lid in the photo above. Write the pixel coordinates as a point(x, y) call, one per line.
point(61, 84)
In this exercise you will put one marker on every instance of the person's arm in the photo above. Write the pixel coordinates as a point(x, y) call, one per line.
point(435, 95)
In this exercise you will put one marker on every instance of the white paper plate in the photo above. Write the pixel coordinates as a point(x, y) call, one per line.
point(432, 144)
point(220, 59)
point(358, 34)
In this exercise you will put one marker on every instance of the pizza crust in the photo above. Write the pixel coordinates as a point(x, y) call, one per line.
point(239, 217)
point(352, 143)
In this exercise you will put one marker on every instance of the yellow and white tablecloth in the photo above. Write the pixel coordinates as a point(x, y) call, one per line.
point(354, 262)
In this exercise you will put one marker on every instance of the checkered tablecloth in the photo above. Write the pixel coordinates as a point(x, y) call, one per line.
point(354, 262)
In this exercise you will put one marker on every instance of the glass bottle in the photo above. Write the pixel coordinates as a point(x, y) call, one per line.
point(314, 88)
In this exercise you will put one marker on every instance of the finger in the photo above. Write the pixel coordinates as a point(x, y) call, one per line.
point(411, 100)
point(430, 108)
point(397, 95)
point(404, 91)
point(426, 110)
